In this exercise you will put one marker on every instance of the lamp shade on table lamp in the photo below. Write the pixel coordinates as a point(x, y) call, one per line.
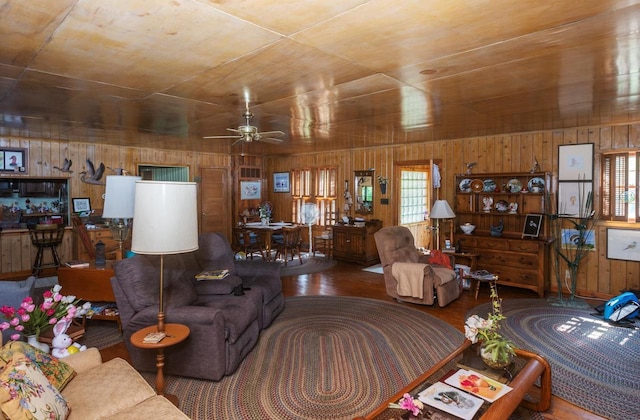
point(118, 205)
point(166, 223)
point(441, 210)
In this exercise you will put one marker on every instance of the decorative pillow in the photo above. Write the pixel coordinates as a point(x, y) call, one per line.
point(25, 393)
point(438, 258)
point(57, 372)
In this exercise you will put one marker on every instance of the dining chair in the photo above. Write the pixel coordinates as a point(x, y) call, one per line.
point(290, 245)
point(248, 241)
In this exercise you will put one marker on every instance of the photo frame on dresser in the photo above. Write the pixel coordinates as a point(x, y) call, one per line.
point(532, 225)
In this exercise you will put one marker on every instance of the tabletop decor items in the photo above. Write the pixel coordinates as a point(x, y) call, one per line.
point(496, 351)
point(31, 319)
point(264, 210)
point(413, 406)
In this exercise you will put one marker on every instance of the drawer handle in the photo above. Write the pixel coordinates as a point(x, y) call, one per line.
point(348, 241)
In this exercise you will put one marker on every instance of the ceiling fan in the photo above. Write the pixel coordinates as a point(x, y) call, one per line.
point(248, 133)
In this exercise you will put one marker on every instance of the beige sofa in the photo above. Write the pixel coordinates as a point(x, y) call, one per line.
point(112, 390)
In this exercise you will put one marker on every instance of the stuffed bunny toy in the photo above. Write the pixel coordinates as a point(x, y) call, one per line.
point(61, 341)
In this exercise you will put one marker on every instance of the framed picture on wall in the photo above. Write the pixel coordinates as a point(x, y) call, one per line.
point(623, 244)
point(575, 162)
point(13, 160)
point(281, 182)
point(532, 225)
point(250, 190)
point(572, 197)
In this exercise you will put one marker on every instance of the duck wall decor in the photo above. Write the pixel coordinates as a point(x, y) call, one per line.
point(66, 166)
point(92, 175)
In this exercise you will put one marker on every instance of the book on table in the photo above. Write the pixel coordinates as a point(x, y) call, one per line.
point(212, 274)
point(451, 400)
point(478, 385)
point(77, 264)
point(154, 337)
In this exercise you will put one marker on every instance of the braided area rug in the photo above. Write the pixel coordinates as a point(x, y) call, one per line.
point(323, 358)
point(594, 365)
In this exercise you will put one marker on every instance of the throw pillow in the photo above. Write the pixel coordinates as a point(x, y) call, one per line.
point(25, 393)
point(58, 373)
point(438, 258)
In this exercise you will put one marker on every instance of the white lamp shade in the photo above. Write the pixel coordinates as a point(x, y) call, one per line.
point(166, 218)
point(441, 210)
point(119, 197)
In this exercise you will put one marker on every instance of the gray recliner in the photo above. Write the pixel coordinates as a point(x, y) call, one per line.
point(396, 244)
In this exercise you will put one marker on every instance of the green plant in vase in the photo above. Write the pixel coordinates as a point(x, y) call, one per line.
point(573, 236)
point(495, 350)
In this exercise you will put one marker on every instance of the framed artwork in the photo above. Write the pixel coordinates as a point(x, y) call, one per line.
point(281, 182)
point(572, 197)
point(575, 162)
point(571, 237)
point(81, 205)
point(623, 244)
point(13, 160)
point(250, 190)
point(532, 225)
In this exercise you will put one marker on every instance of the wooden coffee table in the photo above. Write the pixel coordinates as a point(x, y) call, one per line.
point(176, 333)
point(533, 367)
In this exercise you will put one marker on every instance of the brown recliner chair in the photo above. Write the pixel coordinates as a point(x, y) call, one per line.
point(396, 244)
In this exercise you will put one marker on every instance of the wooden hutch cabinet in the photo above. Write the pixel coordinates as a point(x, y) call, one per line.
point(488, 200)
point(356, 244)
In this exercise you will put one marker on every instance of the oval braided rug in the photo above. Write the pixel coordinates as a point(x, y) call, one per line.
point(593, 365)
point(323, 358)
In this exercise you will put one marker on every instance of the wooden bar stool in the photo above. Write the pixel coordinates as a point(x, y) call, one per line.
point(43, 237)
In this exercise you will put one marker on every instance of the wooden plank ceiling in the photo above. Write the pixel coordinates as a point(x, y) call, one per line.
point(330, 74)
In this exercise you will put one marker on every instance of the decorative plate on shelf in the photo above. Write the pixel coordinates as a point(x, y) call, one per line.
point(477, 185)
point(502, 206)
point(514, 185)
point(465, 185)
point(536, 185)
point(489, 185)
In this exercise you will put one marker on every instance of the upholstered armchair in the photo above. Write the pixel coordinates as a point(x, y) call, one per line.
point(413, 279)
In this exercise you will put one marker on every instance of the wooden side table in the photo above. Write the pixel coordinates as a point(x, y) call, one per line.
point(323, 244)
point(176, 333)
point(92, 284)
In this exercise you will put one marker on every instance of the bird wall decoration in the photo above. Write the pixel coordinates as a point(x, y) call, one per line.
point(470, 166)
point(92, 175)
point(66, 166)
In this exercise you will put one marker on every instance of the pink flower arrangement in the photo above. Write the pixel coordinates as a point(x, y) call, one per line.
point(407, 402)
point(32, 319)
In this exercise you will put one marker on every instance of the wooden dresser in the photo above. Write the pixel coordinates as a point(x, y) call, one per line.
point(356, 244)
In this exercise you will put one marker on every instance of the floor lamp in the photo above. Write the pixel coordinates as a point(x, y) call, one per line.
point(166, 223)
point(118, 206)
point(442, 210)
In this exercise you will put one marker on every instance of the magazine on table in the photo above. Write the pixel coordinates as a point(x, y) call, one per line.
point(451, 400)
point(478, 384)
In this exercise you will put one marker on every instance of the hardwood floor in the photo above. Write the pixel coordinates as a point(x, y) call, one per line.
point(347, 279)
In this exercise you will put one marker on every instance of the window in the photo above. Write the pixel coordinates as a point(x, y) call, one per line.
point(163, 173)
point(317, 186)
point(413, 200)
point(620, 186)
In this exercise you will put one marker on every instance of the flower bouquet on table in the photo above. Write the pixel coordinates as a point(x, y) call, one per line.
point(30, 319)
point(407, 402)
point(496, 350)
point(265, 209)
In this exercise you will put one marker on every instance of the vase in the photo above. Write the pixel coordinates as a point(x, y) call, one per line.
point(488, 359)
point(33, 341)
point(383, 188)
point(265, 221)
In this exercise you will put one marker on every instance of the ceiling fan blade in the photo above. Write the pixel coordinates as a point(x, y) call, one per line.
point(240, 140)
point(222, 137)
point(234, 130)
point(270, 140)
point(271, 133)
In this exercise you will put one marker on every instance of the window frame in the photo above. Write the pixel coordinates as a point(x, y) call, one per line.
point(613, 184)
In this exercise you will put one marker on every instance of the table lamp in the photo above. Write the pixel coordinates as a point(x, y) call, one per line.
point(442, 210)
point(166, 223)
point(118, 206)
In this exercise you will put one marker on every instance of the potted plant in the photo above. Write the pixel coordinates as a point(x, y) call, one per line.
point(574, 248)
point(496, 351)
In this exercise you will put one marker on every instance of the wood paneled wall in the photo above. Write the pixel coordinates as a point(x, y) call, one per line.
point(598, 277)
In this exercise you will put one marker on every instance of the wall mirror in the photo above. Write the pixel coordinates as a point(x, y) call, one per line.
point(364, 192)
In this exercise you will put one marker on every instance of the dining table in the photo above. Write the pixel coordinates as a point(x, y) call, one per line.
point(268, 230)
